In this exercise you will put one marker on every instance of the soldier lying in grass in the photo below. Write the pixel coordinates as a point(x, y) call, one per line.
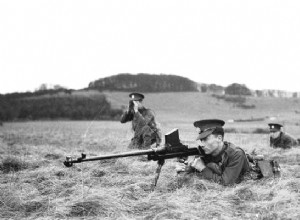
point(280, 139)
point(223, 162)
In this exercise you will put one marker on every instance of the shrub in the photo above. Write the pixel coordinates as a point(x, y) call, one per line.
point(10, 204)
point(260, 131)
point(230, 130)
point(237, 89)
point(245, 106)
point(34, 206)
point(235, 99)
point(87, 208)
point(12, 164)
point(52, 156)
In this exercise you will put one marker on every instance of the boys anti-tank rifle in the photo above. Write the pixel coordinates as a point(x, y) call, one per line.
point(172, 148)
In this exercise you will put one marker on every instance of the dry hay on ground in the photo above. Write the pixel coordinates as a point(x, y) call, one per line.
point(122, 188)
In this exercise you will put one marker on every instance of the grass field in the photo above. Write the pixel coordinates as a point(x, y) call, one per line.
point(34, 183)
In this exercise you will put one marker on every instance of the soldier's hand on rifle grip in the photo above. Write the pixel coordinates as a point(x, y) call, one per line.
point(198, 164)
point(181, 166)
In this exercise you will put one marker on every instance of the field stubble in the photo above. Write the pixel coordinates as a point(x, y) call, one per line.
point(34, 184)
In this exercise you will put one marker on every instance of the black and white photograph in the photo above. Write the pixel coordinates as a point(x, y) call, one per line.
point(150, 110)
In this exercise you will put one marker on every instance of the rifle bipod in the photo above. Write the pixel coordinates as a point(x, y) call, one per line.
point(160, 163)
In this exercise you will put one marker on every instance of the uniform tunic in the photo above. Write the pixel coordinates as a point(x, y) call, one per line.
point(144, 126)
point(227, 168)
point(284, 141)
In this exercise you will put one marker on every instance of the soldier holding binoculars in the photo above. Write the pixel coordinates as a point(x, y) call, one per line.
point(146, 131)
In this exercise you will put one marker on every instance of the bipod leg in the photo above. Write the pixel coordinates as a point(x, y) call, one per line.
point(160, 163)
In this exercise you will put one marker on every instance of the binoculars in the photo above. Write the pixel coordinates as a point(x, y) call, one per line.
point(131, 104)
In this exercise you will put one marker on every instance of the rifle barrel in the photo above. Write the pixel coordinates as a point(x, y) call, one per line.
point(126, 154)
point(155, 154)
point(69, 161)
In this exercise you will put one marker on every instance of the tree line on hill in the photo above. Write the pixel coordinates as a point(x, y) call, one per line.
point(232, 89)
point(44, 103)
point(144, 83)
point(162, 83)
point(171, 83)
point(33, 106)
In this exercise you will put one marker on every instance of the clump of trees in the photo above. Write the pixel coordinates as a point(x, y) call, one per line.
point(237, 89)
point(144, 83)
point(56, 107)
point(211, 88)
point(76, 108)
point(236, 93)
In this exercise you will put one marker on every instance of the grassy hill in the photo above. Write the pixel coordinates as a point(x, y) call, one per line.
point(181, 109)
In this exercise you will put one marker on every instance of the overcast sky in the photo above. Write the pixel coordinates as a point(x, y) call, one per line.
point(72, 43)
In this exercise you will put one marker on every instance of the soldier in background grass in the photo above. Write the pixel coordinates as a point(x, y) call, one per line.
point(146, 131)
point(280, 139)
point(222, 162)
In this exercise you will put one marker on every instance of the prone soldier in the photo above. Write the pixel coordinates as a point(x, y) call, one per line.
point(280, 139)
point(222, 161)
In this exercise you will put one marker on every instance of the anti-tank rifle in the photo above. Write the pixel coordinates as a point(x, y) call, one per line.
point(172, 148)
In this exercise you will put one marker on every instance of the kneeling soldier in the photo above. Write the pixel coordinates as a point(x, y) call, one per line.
point(146, 131)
